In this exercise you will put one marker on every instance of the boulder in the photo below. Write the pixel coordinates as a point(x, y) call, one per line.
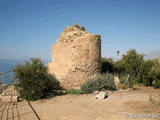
point(96, 92)
point(100, 95)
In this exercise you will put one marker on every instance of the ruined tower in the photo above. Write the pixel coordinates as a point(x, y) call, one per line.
point(75, 57)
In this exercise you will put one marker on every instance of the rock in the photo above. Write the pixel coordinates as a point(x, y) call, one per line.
point(96, 92)
point(100, 95)
point(61, 92)
point(75, 57)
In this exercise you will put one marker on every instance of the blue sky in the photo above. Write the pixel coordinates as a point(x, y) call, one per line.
point(28, 28)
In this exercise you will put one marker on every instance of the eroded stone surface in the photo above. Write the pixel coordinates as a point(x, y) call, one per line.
point(76, 57)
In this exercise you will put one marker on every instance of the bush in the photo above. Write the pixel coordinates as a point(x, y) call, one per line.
point(156, 69)
point(102, 82)
point(146, 82)
point(74, 91)
point(156, 84)
point(34, 80)
point(123, 78)
point(141, 71)
point(131, 78)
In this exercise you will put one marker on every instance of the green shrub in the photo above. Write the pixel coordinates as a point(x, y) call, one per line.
point(132, 79)
point(156, 69)
point(156, 84)
point(145, 82)
point(123, 78)
point(102, 82)
point(74, 91)
point(141, 71)
point(34, 80)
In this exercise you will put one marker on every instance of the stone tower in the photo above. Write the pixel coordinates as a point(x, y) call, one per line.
point(76, 57)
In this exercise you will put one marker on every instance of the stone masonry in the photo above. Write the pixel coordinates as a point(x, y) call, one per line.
point(76, 57)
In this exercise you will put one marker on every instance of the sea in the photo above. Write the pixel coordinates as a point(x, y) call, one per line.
point(6, 66)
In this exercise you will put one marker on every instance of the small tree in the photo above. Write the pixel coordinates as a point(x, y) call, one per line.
point(119, 68)
point(156, 73)
point(156, 69)
point(34, 80)
point(145, 74)
point(132, 62)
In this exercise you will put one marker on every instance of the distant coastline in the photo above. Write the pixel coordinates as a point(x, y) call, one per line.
point(7, 65)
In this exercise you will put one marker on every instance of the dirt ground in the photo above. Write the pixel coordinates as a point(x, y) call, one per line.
point(119, 105)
